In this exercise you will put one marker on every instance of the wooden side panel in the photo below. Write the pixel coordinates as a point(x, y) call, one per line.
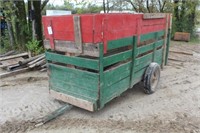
point(122, 56)
point(102, 28)
point(77, 83)
point(115, 75)
point(77, 61)
point(84, 104)
point(108, 93)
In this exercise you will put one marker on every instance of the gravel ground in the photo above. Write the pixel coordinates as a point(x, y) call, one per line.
point(175, 107)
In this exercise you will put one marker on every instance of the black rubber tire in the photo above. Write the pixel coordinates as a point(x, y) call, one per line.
point(151, 78)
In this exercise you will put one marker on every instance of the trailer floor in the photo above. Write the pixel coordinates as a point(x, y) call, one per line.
point(175, 107)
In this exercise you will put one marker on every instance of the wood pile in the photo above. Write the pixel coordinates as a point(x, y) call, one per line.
point(19, 63)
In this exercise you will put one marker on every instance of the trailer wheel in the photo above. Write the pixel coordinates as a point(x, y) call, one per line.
point(151, 78)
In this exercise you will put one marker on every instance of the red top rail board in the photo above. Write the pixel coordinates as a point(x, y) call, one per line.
point(100, 28)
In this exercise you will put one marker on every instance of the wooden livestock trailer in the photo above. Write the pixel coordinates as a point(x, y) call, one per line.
point(94, 58)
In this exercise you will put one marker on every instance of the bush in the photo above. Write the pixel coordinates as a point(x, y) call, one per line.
point(34, 47)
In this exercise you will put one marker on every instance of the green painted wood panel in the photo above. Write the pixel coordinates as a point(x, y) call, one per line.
point(116, 89)
point(122, 56)
point(72, 89)
point(151, 35)
point(142, 65)
point(115, 75)
point(145, 48)
point(144, 58)
point(137, 76)
point(120, 43)
point(77, 61)
point(74, 76)
point(159, 43)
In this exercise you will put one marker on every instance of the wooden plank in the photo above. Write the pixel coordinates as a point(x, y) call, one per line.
point(39, 63)
point(149, 47)
point(122, 56)
point(114, 75)
point(159, 43)
point(138, 75)
point(115, 90)
point(153, 15)
point(84, 104)
point(168, 39)
point(151, 35)
point(146, 48)
point(77, 33)
point(142, 65)
point(25, 61)
point(13, 56)
point(77, 61)
point(144, 58)
point(120, 43)
point(7, 74)
point(165, 41)
point(7, 54)
point(101, 76)
point(74, 76)
point(69, 46)
point(134, 55)
point(10, 62)
point(37, 59)
point(66, 87)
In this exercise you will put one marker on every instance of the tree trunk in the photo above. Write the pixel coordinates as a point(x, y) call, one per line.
point(21, 23)
point(38, 21)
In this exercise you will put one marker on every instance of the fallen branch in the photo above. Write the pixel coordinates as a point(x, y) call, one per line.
point(13, 56)
point(175, 60)
point(180, 52)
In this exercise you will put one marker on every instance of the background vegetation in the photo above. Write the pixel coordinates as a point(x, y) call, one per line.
point(24, 27)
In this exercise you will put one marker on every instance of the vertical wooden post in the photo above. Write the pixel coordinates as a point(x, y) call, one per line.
point(168, 39)
point(165, 42)
point(154, 45)
point(101, 80)
point(134, 53)
point(77, 33)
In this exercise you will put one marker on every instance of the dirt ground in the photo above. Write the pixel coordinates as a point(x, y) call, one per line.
point(175, 107)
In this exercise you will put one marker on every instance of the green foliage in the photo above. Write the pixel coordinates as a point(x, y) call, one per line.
point(34, 47)
point(4, 43)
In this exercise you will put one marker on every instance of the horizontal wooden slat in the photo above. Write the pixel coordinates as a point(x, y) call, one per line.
point(151, 35)
point(73, 100)
point(159, 43)
point(77, 61)
point(77, 83)
point(122, 56)
point(144, 49)
point(158, 53)
point(111, 92)
point(114, 75)
point(120, 43)
point(148, 47)
point(153, 15)
point(142, 65)
point(73, 90)
point(74, 77)
point(69, 46)
point(137, 76)
point(144, 58)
